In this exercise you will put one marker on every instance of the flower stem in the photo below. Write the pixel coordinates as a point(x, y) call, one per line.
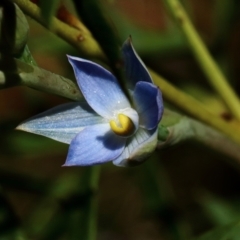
point(21, 73)
point(181, 128)
point(194, 108)
point(82, 40)
point(202, 55)
point(91, 210)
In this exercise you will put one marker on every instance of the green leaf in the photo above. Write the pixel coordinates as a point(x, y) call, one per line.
point(14, 29)
point(27, 57)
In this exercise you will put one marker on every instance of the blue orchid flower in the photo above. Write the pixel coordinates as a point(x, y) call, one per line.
point(106, 127)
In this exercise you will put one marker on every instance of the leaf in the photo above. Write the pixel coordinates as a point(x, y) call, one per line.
point(27, 57)
point(14, 29)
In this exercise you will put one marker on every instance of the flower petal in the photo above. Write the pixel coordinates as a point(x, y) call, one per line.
point(135, 69)
point(99, 87)
point(148, 103)
point(62, 123)
point(138, 148)
point(94, 145)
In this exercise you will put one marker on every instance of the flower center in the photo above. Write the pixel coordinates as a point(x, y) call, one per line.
point(123, 127)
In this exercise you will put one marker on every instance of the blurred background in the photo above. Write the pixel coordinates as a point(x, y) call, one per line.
point(179, 193)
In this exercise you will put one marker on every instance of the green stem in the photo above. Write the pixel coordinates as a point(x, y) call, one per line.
point(90, 218)
point(194, 108)
point(181, 128)
point(82, 40)
point(20, 73)
point(209, 66)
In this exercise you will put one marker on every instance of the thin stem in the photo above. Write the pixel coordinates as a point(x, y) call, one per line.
point(215, 140)
point(209, 66)
point(82, 40)
point(92, 226)
point(20, 73)
point(194, 107)
point(90, 218)
point(181, 127)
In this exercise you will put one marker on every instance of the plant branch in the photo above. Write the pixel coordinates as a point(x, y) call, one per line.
point(90, 218)
point(181, 128)
point(24, 74)
point(208, 65)
point(82, 40)
point(40, 79)
point(194, 108)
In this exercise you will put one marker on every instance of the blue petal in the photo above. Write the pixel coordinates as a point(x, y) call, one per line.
point(94, 145)
point(148, 103)
point(138, 148)
point(99, 87)
point(62, 123)
point(135, 69)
